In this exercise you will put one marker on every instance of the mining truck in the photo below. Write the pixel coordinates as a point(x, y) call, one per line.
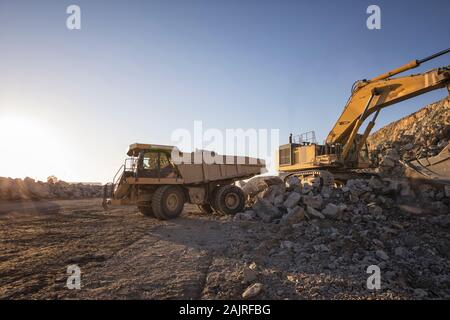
point(160, 179)
point(345, 154)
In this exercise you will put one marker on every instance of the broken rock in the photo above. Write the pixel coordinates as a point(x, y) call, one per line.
point(246, 216)
point(292, 200)
point(252, 291)
point(313, 201)
point(294, 215)
point(382, 255)
point(266, 211)
point(250, 273)
point(331, 210)
point(314, 212)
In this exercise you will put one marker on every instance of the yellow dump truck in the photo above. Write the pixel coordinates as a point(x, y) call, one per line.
point(160, 184)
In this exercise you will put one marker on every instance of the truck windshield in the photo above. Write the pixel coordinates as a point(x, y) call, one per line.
point(150, 161)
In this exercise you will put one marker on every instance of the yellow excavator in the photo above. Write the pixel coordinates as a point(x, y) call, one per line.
point(345, 150)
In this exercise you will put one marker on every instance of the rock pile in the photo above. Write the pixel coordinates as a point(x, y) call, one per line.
point(270, 200)
point(29, 189)
point(422, 134)
point(325, 239)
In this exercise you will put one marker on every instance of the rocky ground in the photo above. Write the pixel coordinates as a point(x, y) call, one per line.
point(309, 245)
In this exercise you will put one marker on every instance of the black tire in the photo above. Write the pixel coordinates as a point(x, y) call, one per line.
point(146, 210)
point(168, 202)
point(229, 199)
point(205, 208)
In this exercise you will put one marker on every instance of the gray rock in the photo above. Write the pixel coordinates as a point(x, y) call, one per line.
point(294, 215)
point(313, 201)
point(252, 291)
point(374, 209)
point(331, 210)
point(259, 184)
point(420, 293)
point(382, 255)
point(321, 248)
point(293, 181)
point(315, 213)
point(292, 200)
point(278, 200)
point(250, 273)
point(248, 215)
point(408, 146)
point(266, 211)
point(400, 251)
point(287, 245)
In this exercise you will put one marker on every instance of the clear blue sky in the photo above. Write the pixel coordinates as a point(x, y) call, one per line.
point(137, 70)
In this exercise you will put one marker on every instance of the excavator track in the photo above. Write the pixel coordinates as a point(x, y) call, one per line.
point(331, 178)
point(326, 178)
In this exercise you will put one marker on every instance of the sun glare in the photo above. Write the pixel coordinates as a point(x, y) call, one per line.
point(26, 146)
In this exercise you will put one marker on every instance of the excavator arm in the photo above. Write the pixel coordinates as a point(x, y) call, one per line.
point(370, 96)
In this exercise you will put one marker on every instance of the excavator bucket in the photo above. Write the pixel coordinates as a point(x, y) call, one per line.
point(436, 168)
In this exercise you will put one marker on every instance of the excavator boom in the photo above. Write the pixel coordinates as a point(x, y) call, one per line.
point(382, 91)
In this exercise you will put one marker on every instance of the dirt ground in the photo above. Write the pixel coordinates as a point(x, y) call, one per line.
point(125, 255)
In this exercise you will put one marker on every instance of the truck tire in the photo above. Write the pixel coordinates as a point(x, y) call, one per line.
point(205, 208)
point(229, 199)
point(168, 202)
point(146, 210)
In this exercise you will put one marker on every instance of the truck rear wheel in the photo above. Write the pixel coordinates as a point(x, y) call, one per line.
point(146, 210)
point(168, 202)
point(229, 199)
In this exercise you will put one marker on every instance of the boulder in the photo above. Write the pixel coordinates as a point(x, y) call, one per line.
point(382, 255)
point(266, 210)
point(292, 200)
point(257, 185)
point(313, 201)
point(315, 213)
point(293, 182)
point(294, 215)
point(331, 210)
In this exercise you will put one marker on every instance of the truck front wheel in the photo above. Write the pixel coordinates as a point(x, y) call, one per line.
point(168, 202)
point(229, 199)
